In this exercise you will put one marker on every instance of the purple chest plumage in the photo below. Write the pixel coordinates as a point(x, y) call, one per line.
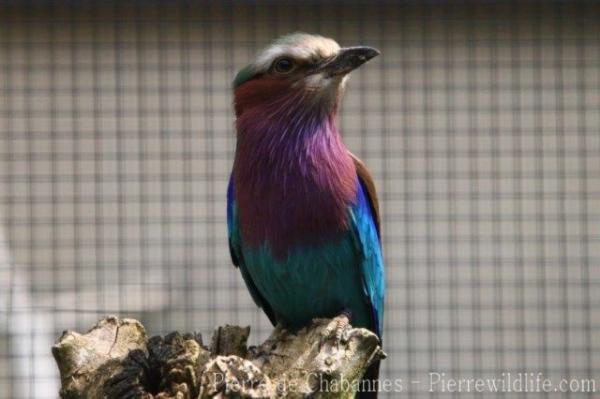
point(293, 179)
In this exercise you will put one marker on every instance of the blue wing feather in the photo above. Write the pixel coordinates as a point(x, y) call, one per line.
point(367, 239)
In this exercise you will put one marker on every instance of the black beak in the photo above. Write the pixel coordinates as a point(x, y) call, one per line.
point(348, 59)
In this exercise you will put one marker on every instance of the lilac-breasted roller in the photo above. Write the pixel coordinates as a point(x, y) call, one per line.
point(302, 210)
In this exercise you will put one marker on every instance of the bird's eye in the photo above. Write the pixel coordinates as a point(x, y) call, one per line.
point(283, 65)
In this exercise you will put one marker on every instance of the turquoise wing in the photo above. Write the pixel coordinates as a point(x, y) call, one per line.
point(365, 227)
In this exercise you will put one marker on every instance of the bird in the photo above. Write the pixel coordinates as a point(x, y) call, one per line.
point(302, 211)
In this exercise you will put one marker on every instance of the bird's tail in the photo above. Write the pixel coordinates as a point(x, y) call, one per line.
point(369, 385)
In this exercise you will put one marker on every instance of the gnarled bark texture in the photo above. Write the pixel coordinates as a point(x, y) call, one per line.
point(116, 360)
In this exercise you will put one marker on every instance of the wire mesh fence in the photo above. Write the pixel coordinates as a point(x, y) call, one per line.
point(480, 123)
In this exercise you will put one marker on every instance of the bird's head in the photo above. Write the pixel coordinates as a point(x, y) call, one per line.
point(307, 72)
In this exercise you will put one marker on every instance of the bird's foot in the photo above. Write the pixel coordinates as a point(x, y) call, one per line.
point(336, 329)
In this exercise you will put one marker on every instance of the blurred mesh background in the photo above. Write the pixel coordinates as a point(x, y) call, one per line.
point(480, 123)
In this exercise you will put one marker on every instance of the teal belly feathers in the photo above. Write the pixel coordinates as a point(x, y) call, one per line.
point(311, 281)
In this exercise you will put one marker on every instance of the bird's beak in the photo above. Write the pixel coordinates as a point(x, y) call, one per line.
point(348, 59)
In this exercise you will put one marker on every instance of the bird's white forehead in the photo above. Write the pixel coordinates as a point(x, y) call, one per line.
point(301, 46)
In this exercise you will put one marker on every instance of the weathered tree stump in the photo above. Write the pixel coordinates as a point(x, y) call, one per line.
point(116, 360)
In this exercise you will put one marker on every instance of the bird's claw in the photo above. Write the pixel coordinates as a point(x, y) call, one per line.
point(336, 328)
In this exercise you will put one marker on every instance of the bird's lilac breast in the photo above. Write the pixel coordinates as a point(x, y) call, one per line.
point(295, 192)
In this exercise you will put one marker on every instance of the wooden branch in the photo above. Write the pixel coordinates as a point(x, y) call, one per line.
point(116, 360)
